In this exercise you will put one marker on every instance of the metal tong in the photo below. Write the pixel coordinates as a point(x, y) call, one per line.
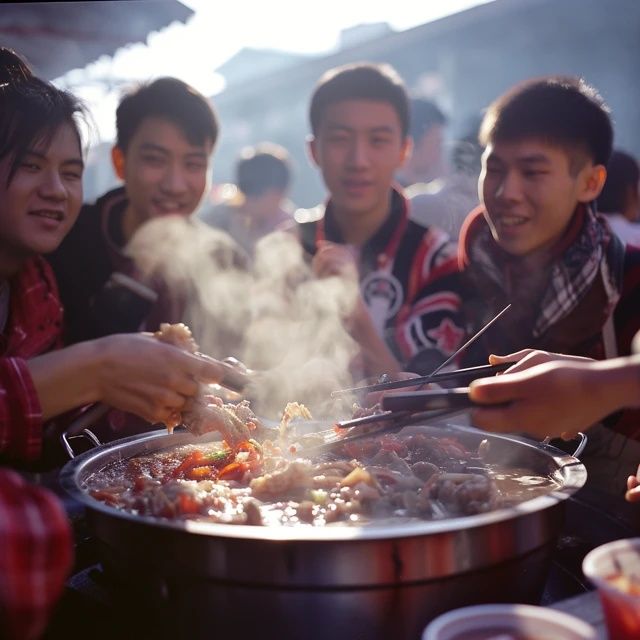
point(462, 375)
point(425, 404)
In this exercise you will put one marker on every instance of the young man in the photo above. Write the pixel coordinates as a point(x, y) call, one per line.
point(537, 243)
point(407, 313)
point(260, 206)
point(166, 132)
point(426, 160)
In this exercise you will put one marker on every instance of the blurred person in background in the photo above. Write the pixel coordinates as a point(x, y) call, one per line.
point(166, 133)
point(620, 197)
point(446, 202)
point(259, 205)
point(41, 166)
point(406, 314)
point(425, 163)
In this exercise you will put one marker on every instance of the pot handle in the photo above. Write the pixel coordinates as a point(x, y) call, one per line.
point(66, 437)
point(80, 428)
point(580, 446)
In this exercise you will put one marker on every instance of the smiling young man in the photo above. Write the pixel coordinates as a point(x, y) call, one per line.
point(536, 241)
point(407, 314)
point(166, 132)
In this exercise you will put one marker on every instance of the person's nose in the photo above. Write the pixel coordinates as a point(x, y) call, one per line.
point(359, 154)
point(508, 187)
point(53, 187)
point(174, 180)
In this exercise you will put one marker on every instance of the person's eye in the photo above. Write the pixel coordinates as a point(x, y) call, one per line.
point(533, 173)
point(153, 160)
point(73, 175)
point(196, 167)
point(30, 165)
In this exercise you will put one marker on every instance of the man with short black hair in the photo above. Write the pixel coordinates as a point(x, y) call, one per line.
point(425, 163)
point(536, 242)
point(407, 311)
point(620, 197)
point(259, 205)
point(166, 133)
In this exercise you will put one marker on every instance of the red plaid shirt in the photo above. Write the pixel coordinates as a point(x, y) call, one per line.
point(35, 556)
point(33, 328)
point(35, 537)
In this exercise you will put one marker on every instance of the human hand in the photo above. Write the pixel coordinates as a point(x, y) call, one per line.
point(558, 398)
point(633, 488)
point(139, 374)
point(332, 259)
point(527, 358)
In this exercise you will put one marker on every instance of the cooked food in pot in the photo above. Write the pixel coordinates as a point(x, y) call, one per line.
point(410, 475)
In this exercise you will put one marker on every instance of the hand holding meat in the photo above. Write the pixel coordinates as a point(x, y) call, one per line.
point(204, 412)
point(142, 375)
point(558, 398)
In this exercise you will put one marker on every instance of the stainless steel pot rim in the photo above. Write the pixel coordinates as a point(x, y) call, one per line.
point(572, 471)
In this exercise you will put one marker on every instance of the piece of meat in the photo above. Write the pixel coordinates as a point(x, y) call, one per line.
point(205, 412)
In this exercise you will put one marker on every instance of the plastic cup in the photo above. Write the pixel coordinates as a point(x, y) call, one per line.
point(614, 568)
point(507, 622)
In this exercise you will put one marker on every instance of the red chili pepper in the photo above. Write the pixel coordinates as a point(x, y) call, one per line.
point(201, 473)
point(234, 471)
point(192, 460)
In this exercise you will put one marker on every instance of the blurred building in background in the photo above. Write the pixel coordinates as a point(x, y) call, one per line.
point(462, 62)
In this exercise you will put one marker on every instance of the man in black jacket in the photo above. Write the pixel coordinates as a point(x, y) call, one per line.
point(166, 133)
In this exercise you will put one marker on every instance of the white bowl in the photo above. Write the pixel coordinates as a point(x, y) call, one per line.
point(523, 621)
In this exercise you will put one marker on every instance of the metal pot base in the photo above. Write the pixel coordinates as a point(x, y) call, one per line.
point(200, 609)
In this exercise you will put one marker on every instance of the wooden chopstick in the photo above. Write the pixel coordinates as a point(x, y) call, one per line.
point(470, 373)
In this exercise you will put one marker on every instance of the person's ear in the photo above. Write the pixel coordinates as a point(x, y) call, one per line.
point(406, 150)
point(592, 182)
point(117, 159)
point(312, 150)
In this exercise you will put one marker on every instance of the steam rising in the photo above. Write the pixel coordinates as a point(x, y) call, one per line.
point(275, 316)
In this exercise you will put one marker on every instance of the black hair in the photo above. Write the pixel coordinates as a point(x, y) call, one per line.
point(360, 81)
point(173, 100)
point(425, 114)
point(31, 110)
point(562, 111)
point(263, 167)
point(623, 173)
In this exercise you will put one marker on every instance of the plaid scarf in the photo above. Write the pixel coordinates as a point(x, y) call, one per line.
point(588, 250)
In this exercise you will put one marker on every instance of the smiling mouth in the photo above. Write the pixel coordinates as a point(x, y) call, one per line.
point(512, 221)
point(49, 214)
point(169, 206)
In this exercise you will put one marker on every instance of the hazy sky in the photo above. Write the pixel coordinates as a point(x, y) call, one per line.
point(219, 29)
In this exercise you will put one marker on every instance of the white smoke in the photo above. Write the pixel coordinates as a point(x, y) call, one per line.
point(274, 315)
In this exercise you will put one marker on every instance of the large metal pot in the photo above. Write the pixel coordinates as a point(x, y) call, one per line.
point(200, 580)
